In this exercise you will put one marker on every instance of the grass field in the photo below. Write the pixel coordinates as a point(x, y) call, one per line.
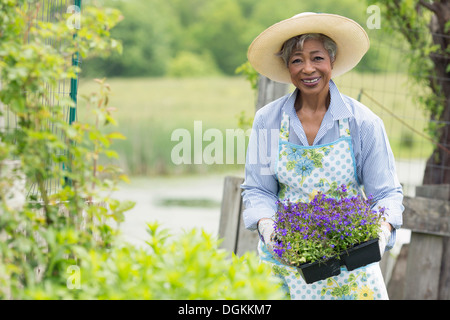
point(150, 109)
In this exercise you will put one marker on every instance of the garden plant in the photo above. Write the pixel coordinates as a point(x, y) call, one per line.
point(64, 244)
point(326, 226)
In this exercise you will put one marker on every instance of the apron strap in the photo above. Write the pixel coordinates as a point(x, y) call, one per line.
point(344, 129)
point(284, 128)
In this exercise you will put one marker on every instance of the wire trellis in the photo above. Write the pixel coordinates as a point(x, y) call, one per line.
point(387, 91)
point(50, 11)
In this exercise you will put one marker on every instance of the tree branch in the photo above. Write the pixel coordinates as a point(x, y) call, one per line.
point(429, 6)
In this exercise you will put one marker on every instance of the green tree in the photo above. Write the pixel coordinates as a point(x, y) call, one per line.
point(220, 30)
point(148, 32)
point(425, 26)
point(188, 64)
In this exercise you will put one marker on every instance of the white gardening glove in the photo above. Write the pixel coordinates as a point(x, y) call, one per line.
point(383, 238)
point(266, 230)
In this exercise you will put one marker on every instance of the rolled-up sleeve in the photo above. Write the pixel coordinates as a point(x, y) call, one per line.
point(378, 174)
point(260, 188)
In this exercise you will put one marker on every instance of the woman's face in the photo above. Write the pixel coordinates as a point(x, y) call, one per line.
point(311, 68)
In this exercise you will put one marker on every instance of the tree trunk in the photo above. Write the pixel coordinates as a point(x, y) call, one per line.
point(437, 170)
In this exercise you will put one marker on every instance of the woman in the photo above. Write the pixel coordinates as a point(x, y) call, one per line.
point(308, 50)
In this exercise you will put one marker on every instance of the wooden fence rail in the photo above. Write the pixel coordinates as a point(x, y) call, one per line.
point(428, 260)
point(422, 269)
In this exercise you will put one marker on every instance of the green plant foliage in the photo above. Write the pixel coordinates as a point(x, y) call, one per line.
point(189, 266)
point(411, 20)
point(250, 74)
point(41, 236)
point(148, 32)
point(188, 64)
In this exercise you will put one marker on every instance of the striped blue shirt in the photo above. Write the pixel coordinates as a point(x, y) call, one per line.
point(375, 165)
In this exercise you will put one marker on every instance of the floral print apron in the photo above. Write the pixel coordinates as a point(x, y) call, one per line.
point(303, 171)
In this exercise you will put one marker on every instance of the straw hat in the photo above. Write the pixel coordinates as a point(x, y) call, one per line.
point(351, 40)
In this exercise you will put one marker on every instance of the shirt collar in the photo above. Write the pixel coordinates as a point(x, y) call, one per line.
point(338, 108)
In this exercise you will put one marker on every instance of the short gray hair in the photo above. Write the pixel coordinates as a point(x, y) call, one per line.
point(296, 43)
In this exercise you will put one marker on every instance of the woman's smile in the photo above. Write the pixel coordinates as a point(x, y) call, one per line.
point(311, 82)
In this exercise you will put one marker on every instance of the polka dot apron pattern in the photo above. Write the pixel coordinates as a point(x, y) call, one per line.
point(302, 172)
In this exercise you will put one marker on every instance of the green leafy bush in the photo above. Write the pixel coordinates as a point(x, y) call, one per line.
point(186, 267)
point(188, 64)
point(40, 236)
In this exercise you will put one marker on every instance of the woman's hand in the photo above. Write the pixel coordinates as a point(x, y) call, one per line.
point(266, 232)
point(384, 235)
point(266, 229)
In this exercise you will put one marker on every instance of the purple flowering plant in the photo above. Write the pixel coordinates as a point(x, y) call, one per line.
point(324, 227)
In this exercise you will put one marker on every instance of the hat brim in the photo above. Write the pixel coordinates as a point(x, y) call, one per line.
point(351, 39)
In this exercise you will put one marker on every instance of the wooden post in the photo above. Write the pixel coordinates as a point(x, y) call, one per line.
point(235, 237)
point(269, 91)
point(246, 240)
point(428, 217)
point(230, 213)
point(396, 284)
point(423, 267)
point(444, 280)
point(441, 192)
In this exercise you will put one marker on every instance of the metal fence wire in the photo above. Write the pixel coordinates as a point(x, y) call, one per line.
point(50, 11)
point(386, 89)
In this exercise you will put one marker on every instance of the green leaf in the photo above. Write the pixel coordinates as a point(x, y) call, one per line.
point(116, 135)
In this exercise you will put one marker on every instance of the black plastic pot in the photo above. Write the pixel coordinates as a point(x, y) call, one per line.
point(319, 270)
point(361, 255)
